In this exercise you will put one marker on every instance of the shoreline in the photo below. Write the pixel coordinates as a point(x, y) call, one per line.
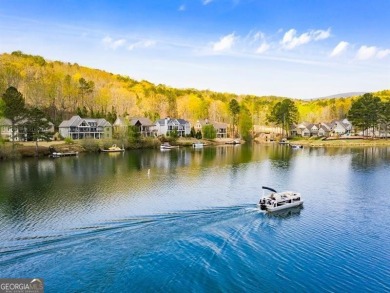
point(27, 149)
point(357, 142)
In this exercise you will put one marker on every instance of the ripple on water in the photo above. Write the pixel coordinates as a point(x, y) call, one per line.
point(167, 231)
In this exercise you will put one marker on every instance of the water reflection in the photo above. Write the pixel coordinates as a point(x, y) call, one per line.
point(369, 158)
point(139, 216)
point(280, 156)
point(30, 185)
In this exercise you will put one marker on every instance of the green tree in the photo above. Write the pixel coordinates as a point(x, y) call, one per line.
point(246, 123)
point(364, 112)
point(192, 132)
point(198, 135)
point(234, 109)
point(133, 134)
point(284, 114)
point(209, 131)
point(37, 127)
point(82, 112)
point(174, 134)
point(384, 117)
point(1, 108)
point(13, 109)
point(111, 116)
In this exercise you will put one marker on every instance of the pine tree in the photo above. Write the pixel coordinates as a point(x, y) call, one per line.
point(37, 127)
point(234, 109)
point(14, 109)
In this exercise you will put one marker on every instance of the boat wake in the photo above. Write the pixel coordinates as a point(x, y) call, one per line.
point(216, 249)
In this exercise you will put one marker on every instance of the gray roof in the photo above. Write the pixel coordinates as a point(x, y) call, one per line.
point(77, 120)
point(74, 121)
point(219, 125)
point(325, 127)
point(305, 125)
point(144, 121)
point(182, 121)
point(345, 124)
point(172, 120)
point(161, 121)
point(309, 126)
point(102, 122)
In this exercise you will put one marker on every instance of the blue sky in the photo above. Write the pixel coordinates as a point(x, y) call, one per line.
point(298, 49)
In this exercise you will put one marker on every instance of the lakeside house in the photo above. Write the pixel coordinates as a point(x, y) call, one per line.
point(323, 129)
point(21, 133)
point(220, 127)
point(341, 127)
point(167, 125)
point(142, 125)
point(80, 128)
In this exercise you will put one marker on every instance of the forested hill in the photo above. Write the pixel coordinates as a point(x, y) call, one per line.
point(63, 89)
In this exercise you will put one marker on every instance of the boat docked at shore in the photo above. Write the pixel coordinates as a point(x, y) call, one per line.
point(235, 141)
point(277, 201)
point(296, 146)
point(284, 141)
point(168, 146)
point(66, 154)
point(113, 149)
point(198, 145)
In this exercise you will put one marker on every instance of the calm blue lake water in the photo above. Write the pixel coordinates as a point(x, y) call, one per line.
point(101, 223)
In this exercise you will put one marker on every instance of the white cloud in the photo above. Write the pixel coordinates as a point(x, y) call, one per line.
point(383, 53)
point(142, 44)
point(291, 39)
point(321, 34)
point(113, 44)
point(255, 41)
point(205, 2)
point(257, 36)
point(182, 8)
point(339, 49)
point(225, 43)
point(264, 47)
point(366, 52)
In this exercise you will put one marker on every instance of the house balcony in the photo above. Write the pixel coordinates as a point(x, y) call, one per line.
point(82, 134)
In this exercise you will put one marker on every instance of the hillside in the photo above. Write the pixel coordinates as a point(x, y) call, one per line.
point(62, 89)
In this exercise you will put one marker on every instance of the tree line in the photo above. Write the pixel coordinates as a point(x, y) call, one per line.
point(62, 89)
point(13, 107)
point(370, 114)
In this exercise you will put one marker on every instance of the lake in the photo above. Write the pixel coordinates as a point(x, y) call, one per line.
point(186, 220)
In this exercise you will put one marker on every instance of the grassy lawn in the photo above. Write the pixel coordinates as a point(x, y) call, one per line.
point(317, 142)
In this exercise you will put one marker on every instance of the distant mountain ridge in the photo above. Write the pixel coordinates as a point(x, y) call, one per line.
point(343, 95)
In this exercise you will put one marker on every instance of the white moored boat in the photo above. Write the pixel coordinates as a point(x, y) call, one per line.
point(113, 149)
point(198, 145)
point(277, 201)
point(167, 146)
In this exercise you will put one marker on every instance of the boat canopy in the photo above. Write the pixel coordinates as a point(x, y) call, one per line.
point(268, 188)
